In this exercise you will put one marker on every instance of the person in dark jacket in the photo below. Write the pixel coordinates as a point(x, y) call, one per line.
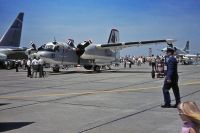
point(171, 80)
point(17, 66)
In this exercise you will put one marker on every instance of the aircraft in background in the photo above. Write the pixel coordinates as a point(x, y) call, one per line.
point(184, 54)
point(10, 42)
point(90, 56)
point(179, 51)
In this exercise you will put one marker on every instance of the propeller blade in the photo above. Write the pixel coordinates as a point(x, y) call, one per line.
point(87, 43)
point(33, 46)
point(70, 42)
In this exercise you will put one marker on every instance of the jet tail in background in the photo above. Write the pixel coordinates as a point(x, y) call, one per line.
point(13, 35)
point(114, 36)
point(187, 47)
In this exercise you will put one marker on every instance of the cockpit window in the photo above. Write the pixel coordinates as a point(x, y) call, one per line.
point(49, 47)
point(56, 48)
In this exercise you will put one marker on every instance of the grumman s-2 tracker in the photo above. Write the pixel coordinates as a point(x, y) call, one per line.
point(90, 56)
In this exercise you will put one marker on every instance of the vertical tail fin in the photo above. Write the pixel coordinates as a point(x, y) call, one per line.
point(13, 35)
point(114, 36)
point(187, 47)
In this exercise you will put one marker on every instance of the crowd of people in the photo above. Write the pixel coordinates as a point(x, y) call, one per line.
point(127, 60)
point(33, 66)
point(134, 60)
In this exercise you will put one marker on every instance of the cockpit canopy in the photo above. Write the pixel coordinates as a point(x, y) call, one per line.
point(50, 46)
point(53, 47)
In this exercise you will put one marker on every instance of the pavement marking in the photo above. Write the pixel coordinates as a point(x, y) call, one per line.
point(91, 92)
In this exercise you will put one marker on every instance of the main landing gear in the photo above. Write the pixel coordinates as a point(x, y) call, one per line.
point(97, 68)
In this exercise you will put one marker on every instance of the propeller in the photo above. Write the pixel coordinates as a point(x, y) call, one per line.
point(80, 49)
point(175, 49)
point(70, 42)
point(31, 50)
point(33, 46)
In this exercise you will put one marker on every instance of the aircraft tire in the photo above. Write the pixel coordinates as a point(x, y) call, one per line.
point(56, 69)
point(8, 67)
point(97, 68)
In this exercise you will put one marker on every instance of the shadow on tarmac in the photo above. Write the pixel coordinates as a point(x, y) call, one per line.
point(92, 72)
point(1, 104)
point(7, 126)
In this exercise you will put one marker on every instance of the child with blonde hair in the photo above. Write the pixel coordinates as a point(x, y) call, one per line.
point(190, 115)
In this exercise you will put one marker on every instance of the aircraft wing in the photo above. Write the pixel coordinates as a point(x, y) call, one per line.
point(191, 55)
point(122, 45)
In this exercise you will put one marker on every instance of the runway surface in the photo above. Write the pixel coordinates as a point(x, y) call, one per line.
point(78, 101)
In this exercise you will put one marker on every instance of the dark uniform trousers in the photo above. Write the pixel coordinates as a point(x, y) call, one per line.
point(175, 88)
point(29, 71)
point(41, 73)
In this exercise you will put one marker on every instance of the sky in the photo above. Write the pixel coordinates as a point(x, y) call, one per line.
point(136, 20)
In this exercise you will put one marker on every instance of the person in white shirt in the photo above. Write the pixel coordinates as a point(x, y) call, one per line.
point(28, 63)
point(40, 65)
point(34, 67)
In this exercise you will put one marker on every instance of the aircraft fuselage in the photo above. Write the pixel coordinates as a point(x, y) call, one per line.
point(67, 55)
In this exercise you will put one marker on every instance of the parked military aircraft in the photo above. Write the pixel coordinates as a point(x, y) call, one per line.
point(10, 42)
point(179, 51)
point(190, 58)
point(91, 56)
point(184, 54)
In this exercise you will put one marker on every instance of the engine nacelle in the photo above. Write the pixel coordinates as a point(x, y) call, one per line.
point(81, 47)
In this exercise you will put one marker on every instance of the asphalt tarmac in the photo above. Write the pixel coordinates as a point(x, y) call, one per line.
point(78, 101)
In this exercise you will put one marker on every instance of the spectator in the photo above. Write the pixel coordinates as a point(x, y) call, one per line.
point(34, 67)
point(190, 115)
point(28, 63)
